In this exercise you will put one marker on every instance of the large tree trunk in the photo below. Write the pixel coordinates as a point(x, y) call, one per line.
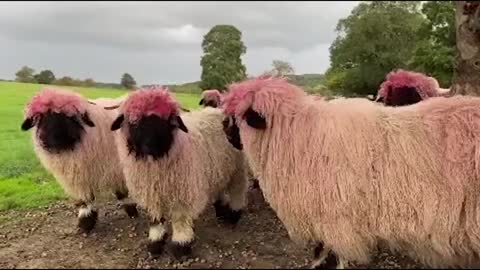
point(466, 80)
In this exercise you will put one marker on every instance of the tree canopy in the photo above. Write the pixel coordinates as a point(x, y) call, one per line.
point(380, 36)
point(282, 68)
point(45, 77)
point(25, 74)
point(127, 81)
point(222, 63)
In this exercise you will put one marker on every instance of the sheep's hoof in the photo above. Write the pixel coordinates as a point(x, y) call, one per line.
point(233, 216)
point(131, 209)
point(330, 262)
point(220, 210)
point(225, 214)
point(87, 223)
point(180, 250)
point(156, 247)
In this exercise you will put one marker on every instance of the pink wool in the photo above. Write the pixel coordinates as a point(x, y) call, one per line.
point(57, 101)
point(211, 94)
point(154, 101)
point(415, 187)
point(244, 91)
point(427, 86)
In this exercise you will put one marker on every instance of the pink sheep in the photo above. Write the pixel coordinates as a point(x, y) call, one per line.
point(176, 164)
point(403, 87)
point(415, 187)
point(211, 98)
point(72, 140)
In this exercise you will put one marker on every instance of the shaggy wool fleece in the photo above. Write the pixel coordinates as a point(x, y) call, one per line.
point(351, 173)
point(93, 168)
point(200, 165)
point(396, 80)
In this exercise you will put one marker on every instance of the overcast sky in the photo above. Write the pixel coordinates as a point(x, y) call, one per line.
point(159, 42)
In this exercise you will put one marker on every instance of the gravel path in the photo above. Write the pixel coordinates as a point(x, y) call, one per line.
point(48, 237)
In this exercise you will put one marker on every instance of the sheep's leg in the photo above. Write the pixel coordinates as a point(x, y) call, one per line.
point(182, 235)
point(231, 211)
point(87, 216)
point(254, 183)
point(157, 236)
point(325, 258)
point(131, 207)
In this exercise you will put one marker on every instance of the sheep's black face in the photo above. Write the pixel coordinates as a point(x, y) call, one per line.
point(232, 132)
point(151, 135)
point(403, 96)
point(208, 103)
point(58, 132)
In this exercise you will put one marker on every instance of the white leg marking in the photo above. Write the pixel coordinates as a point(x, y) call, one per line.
point(182, 234)
point(156, 232)
point(341, 264)
point(85, 211)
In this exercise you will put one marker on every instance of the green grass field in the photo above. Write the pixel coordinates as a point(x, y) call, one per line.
point(23, 181)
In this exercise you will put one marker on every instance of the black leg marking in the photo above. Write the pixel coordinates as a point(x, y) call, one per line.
point(255, 184)
point(318, 249)
point(225, 214)
point(331, 261)
point(87, 223)
point(121, 195)
point(180, 250)
point(131, 209)
point(156, 248)
point(220, 210)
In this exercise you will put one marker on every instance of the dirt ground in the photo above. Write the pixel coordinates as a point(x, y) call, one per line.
point(48, 238)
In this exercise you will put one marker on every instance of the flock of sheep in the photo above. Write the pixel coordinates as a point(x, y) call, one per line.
point(347, 174)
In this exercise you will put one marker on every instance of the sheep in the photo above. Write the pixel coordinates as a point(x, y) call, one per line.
point(72, 140)
point(403, 87)
point(177, 164)
point(415, 187)
point(210, 98)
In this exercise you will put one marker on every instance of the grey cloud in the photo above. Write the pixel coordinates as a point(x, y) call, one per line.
point(105, 38)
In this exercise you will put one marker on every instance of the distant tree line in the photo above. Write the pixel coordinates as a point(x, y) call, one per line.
point(27, 75)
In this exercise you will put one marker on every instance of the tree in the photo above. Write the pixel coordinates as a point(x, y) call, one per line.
point(374, 39)
point(89, 82)
point(435, 54)
point(25, 74)
point(127, 81)
point(45, 77)
point(66, 80)
point(221, 62)
point(281, 68)
point(466, 79)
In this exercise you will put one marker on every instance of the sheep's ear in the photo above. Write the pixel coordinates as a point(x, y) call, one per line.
point(28, 124)
point(118, 122)
point(254, 119)
point(86, 119)
point(176, 121)
point(202, 101)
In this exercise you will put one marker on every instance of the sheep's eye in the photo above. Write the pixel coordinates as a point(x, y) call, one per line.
point(254, 119)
